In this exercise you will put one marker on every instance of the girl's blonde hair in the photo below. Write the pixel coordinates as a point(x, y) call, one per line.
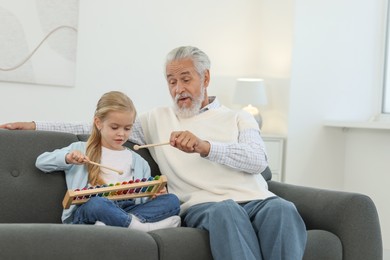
point(109, 102)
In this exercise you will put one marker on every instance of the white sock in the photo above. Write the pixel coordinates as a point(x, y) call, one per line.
point(99, 223)
point(173, 221)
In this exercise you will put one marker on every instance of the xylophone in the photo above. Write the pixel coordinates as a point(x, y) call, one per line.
point(120, 191)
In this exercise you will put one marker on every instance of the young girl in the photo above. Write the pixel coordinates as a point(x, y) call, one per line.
point(113, 120)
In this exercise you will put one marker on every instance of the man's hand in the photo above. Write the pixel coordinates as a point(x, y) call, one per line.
point(19, 126)
point(189, 143)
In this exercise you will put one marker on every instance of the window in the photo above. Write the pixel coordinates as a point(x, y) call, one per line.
point(386, 79)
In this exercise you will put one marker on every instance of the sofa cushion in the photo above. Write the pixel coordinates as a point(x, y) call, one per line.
point(61, 241)
point(182, 243)
point(324, 245)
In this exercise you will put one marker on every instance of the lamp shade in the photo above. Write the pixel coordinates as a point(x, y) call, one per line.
point(250, 91)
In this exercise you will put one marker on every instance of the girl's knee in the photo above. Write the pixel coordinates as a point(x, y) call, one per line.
point(169, 198)
point(96, 202)
point(173, 198)
point(170, 201)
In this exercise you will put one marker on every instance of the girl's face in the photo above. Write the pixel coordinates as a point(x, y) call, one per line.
point(115, 129)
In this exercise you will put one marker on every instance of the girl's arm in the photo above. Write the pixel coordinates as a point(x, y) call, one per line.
point(55, 160)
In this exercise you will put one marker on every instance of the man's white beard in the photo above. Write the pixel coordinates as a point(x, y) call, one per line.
point(186, 112)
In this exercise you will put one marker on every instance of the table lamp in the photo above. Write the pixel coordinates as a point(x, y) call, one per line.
point(251, 93)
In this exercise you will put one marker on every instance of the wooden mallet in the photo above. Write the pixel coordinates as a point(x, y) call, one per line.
point(137, 147)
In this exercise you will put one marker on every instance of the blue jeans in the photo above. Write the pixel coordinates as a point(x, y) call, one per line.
point(116, 213)
point(261, 230)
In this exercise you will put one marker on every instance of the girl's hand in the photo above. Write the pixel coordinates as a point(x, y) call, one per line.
point(76, 157)
point(161, 192)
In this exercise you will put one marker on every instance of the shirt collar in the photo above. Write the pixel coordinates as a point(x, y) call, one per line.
point(213, 104)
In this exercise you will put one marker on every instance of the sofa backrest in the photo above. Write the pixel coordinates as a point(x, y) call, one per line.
point(27, 194)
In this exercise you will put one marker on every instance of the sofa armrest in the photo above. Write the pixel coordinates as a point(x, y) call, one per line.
point(350, 216)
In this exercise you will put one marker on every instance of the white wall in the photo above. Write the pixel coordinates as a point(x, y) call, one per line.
point(336, 73)
point(367, 171)
point(122, 45)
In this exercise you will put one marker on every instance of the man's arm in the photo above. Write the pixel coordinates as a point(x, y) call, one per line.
point(247, 155)
point(75, 128)
point(136, 136)
point(19, 126)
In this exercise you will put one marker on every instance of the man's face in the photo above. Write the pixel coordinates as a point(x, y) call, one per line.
point(186, 86)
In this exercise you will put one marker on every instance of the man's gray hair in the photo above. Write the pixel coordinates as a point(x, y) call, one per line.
point(200, 59)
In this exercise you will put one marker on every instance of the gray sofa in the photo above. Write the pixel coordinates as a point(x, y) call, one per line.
point(340, 225)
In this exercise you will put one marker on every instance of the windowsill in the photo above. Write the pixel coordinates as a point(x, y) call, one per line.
point(269, 135)
point(380, 125)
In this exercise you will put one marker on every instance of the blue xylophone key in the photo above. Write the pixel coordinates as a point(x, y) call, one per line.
point(146, 180)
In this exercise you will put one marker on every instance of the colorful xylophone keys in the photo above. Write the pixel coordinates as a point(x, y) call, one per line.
point(119, 192)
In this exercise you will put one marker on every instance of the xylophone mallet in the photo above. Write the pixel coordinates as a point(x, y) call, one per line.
point(137, 147)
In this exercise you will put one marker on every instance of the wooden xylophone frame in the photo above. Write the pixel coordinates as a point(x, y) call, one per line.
point(73, 197)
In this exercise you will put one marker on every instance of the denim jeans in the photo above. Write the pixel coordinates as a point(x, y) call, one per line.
point(260, 230)
point(116, 213)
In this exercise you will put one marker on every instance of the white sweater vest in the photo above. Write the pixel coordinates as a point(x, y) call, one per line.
point(195, 179)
